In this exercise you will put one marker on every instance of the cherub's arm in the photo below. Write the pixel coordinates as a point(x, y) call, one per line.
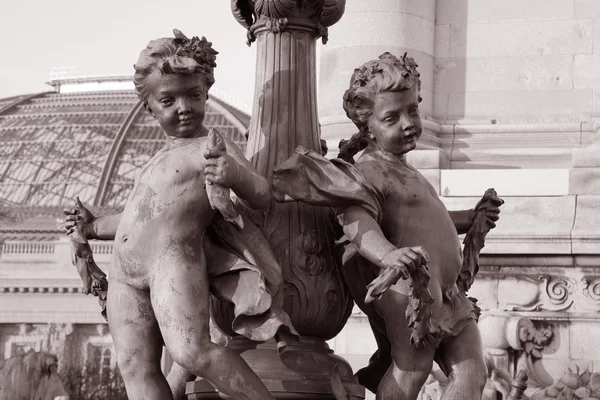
point(231, 169)
point(102, 228)
point(251, 187)
point(462, 219)
point(105, 227)
point(362, 230)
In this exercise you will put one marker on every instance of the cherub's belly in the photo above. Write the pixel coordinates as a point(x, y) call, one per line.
point(441, 242)
point(171, 237)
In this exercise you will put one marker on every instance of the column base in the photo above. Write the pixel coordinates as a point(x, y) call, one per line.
point(302, 371)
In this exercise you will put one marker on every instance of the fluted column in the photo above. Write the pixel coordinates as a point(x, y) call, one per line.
point(302, 237)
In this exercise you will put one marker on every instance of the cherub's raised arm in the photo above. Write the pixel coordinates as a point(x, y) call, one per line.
point(102, 228)
point(462, 219)
point(250, 187)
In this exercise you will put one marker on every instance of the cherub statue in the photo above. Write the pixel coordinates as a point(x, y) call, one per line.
point(172, 249)
point(395, 226)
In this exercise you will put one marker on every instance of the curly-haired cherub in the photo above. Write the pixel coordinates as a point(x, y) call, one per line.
point(402, 257)
point(167, 258)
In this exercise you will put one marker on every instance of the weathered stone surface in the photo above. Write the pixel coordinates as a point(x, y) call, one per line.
point(585, 233)
point(393, 29)
point(574, 105)
point(442, 41)
point(503, 73)
point(586, 70)
point(583, 343)
point(586, 157)
point(584, 181)
point(596, 36)
point(460, 11)
point(506, 38)
point(423, 8)
point(509, 182)
point(587, 9)
point(527, 225)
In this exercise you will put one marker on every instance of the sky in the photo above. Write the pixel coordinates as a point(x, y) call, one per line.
point(106, 37)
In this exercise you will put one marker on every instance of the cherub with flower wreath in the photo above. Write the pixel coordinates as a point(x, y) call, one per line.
point(172, 249)
point(402, 259)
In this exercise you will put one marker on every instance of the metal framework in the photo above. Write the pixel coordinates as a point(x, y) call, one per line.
point(56, 146)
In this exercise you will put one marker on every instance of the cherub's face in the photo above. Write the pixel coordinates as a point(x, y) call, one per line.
point(177, 102)
point(395, 122)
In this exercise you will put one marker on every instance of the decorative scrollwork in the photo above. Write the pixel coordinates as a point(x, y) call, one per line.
point(558, 289)
point(591, 289)
point(554, 295)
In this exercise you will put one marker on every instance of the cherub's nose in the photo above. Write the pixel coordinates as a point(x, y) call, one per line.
point(183, 106)
point(406, 122)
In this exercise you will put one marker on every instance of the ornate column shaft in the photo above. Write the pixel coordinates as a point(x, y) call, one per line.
point(302, 237)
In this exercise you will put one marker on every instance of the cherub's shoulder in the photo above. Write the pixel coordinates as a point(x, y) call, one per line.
point(373, 170)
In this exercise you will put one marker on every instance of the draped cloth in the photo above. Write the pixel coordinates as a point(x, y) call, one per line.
point(243, 270)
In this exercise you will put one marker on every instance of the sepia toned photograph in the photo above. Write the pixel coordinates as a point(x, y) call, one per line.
point(300, 200)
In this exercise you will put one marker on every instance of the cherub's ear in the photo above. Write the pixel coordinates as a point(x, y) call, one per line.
point(148, 109)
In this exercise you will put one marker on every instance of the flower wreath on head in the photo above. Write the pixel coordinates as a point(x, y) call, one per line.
point(198, 49)
point(406, 64)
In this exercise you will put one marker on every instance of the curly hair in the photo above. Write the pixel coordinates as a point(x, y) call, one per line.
point(386, 74)
point(178, 55)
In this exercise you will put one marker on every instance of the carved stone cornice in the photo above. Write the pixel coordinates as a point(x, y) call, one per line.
point(568, 289)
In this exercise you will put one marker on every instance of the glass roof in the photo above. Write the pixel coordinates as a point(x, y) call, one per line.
point(54, 147)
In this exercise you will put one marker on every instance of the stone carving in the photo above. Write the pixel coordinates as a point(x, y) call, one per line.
point(554, 293)
point(591, 289)
point(172, 247)
point(533, 338)
point(277, 15)
point(382, 193)
point(575, 384)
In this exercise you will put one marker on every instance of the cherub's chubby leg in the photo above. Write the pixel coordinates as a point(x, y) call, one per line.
point(177, 378)
point(411, 366)
point(180, 298)
point(137, 341)
point(461, 358)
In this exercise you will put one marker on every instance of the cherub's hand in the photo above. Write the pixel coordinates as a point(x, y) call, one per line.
point(221, 168)
point(490, 204)
point(406, 259)
point(82, 214)
point(399, 263)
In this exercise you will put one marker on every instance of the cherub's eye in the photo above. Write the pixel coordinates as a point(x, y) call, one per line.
point(197, 95)
point(166, 101)
point(390, 119)
point(414, 111)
